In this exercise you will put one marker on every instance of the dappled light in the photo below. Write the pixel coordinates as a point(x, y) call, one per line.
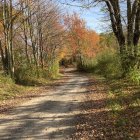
point(69, 69)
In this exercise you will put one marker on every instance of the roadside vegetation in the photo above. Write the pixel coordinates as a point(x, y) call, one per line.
point(36, 38)
point(11, 89)
point(31, 45)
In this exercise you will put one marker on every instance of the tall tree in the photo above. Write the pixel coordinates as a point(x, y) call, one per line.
point(8, 19)
point(83, 42)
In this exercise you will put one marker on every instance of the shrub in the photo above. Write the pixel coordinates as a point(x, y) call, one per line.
point(87, 65)
point(109, 64)
point(53, 69)
point(29, 75)
point(134, 75)
point(8, 88)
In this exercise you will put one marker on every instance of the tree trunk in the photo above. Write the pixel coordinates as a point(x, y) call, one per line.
point(2, 57)
point(8, 32)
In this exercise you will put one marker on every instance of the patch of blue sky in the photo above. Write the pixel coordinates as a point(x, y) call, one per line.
point(92, 16)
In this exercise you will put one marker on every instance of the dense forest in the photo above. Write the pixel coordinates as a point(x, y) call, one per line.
point(39, 39)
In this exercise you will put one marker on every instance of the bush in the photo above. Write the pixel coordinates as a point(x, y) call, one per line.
point(134, 76)
point(109, 64)
point(29, 75)
point(87, 65)
point(32, 75)
point(53, 69)
point(8, 88)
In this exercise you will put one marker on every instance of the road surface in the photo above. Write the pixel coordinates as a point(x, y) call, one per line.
point(48, 117)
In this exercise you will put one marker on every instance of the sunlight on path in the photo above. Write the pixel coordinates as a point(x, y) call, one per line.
point(51, 116)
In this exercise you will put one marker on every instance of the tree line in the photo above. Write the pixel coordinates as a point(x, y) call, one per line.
point(31, 35)
point(35, 35)
point(124, 17)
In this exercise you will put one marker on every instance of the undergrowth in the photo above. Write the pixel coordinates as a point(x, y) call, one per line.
point(8, 88)
point(31, 75)
point(106, 63)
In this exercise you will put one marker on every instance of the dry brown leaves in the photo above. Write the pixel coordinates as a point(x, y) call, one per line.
point(95, 121)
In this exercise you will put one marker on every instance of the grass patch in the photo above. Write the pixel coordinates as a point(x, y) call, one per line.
point(8, 88)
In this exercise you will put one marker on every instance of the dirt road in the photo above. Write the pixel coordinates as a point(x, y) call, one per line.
point(48, 117)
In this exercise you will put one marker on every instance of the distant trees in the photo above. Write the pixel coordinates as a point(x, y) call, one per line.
point(83, 42)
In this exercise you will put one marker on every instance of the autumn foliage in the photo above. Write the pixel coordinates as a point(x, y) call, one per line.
point(82, 41)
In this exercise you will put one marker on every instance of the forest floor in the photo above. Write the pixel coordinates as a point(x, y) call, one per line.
point(111, 110)
point(78, 107)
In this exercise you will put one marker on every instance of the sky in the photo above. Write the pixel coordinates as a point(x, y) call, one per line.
point(92, 16)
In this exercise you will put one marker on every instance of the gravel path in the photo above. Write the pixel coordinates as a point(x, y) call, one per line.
point(48, 117)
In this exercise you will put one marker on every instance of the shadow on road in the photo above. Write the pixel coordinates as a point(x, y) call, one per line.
point(54, 114)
